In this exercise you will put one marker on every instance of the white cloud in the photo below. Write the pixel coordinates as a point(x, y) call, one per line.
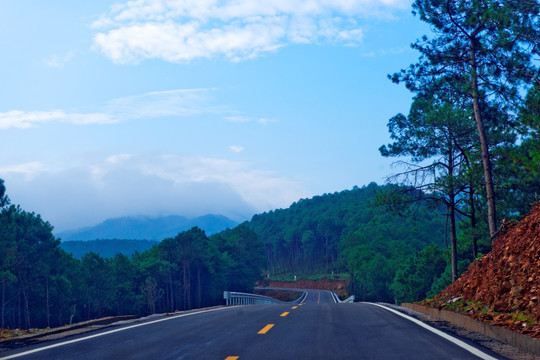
point(183, 30)
point(181, 103)
point(58, 61)
point(29, 170)
point(146, 184)
point(237, 119)
point(245, 119)
point(115, 159)
point(385, 52)
point(27, 119)
point(236, 149)
point(261, 189)
point(265, 121)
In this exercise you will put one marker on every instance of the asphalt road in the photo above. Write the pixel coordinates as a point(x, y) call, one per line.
point(316, 329)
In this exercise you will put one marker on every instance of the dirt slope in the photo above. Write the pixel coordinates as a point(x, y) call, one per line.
point(337, 286)
point(503, 287)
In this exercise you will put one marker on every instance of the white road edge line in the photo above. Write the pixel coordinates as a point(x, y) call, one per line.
point(458, 342)
point(332, 295)
point(107, 333)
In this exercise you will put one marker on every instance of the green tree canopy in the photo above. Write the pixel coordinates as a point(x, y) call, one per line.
point(485, 48)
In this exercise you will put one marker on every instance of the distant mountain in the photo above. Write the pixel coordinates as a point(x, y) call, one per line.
point(148, 228)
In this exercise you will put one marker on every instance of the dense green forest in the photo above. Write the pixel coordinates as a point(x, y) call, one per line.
point(44, 286)
point(106, 248)
point(473, 124)
point(469, 159)
point(392, 241)
point(349, 232)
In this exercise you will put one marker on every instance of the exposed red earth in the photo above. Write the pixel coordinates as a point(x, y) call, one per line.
point(337, 286)
point(503, 287)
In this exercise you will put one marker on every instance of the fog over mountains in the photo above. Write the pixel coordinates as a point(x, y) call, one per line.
point(147, 228)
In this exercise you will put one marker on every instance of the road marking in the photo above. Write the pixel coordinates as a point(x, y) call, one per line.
point(294, 307)
point(284, 314)
point(333, 297)
point(265, 329)
point(458, 342)
point(232, 357)
point(107, 333)
point(319, 299)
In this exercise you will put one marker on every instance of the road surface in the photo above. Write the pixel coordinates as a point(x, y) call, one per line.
point(316, 329)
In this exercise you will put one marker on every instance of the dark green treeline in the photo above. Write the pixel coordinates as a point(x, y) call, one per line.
point(43, 286)
point(364, 234)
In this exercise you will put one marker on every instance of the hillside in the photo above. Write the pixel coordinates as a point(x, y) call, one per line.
point(345, 232)
point(106, 248)
point(147, 228)
point(503, 287)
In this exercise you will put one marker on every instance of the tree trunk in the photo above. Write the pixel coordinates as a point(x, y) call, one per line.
point(326, 253)
point(3, 298)
point(171, 294)
point(199, 287)
point(26, 306)
point(19, 319)
point(452, 210)
point(473, 223)
point(47, 304)
point(453, 238)
point(486, 161)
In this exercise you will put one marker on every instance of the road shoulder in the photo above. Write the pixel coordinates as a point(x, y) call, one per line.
point(497, 346)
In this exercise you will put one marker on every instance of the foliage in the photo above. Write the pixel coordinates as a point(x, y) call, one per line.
point(44, 286)
point(347, 232)
point(483, 50)
point(4, 200)
point(106, 248)
point(416, 275)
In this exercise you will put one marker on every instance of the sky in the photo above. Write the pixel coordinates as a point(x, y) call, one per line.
point(189, 107)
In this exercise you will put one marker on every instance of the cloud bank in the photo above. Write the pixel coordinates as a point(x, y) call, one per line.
point(183, 30)
point(146, 184)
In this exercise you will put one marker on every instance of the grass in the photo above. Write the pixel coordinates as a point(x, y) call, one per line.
point(478, 310)
point(9, 334)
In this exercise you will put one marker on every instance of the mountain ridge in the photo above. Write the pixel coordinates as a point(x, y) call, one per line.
point(147, 228)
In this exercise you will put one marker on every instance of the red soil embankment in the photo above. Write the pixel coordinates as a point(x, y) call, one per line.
point(506, 280)
point(337, 286)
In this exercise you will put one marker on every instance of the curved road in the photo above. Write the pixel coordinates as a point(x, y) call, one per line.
point(316, 329)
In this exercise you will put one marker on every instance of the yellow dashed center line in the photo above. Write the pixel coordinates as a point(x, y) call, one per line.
point(294, 307)
point(265, 329)
point(284, 314)
point(231, 357)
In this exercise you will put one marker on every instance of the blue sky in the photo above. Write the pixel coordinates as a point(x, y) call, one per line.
point(155, 107)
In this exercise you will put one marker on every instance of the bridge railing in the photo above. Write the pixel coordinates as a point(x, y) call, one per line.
point(239, 298)
point(350, 299)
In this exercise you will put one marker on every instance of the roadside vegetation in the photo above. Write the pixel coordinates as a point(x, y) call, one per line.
point(44, 286)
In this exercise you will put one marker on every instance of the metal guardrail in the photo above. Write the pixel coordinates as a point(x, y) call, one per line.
point(238, 298)
point(350, 299)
